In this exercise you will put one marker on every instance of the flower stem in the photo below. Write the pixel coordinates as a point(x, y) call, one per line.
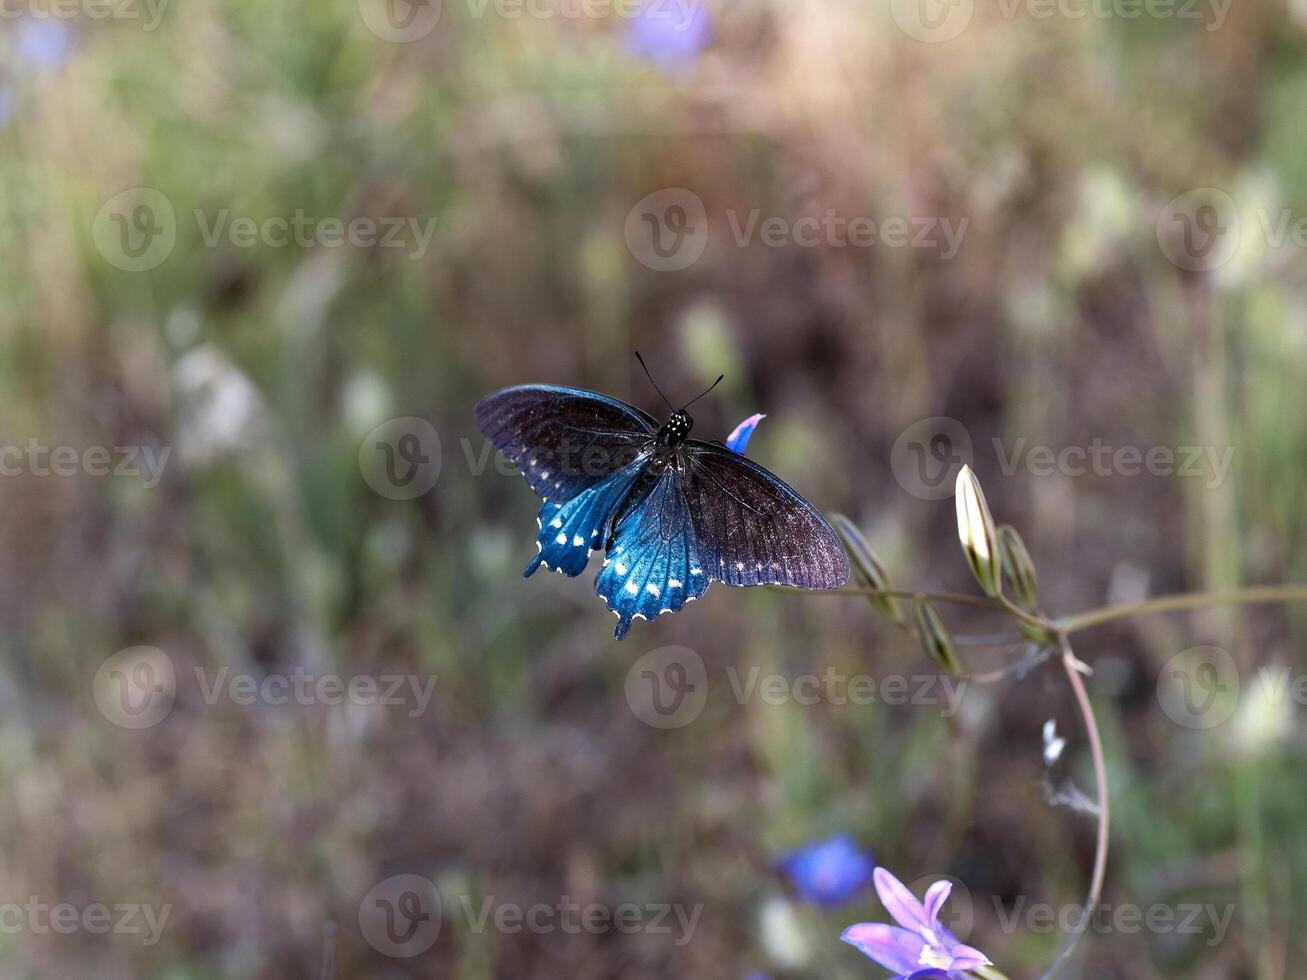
point(1073, 667)
point(956, 598)
point(1183, 600)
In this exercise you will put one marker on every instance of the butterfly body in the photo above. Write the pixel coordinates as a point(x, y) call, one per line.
point(672, 513)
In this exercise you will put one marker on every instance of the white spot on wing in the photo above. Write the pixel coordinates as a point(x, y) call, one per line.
point(632, 588)
point(561, 539)
point(556, 522)
point(652, 590)
point(673, 583)
point(578, 541)
point(621, 569)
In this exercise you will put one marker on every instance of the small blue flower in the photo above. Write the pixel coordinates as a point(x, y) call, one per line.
point(43, 44)
point(670, 35)
point(828, 872)
point(919, 946)
point(739, 437)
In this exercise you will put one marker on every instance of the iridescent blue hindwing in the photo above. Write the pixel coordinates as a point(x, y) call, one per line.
point(570, 531)
point(653, 566)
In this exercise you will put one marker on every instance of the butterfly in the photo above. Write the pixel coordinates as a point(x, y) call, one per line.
point(672, 513)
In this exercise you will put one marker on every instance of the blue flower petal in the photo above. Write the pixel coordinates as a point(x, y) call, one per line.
point(739, 437)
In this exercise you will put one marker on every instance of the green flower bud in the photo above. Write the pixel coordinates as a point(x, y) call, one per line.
point(935, 637)
point(1018, 569)
point(977, 534)
point(868, 570)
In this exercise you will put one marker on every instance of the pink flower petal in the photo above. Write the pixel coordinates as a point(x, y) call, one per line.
point(900, 903)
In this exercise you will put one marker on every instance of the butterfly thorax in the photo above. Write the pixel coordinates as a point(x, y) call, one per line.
point(675, 430)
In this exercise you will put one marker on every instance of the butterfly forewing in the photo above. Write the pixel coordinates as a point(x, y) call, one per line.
point(752, 528)
point(564, 440)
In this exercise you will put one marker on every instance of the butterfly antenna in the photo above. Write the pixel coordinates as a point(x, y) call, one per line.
point(652, 381)
point(701, 394)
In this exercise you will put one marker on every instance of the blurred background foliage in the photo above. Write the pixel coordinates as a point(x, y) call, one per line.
point(528, 139)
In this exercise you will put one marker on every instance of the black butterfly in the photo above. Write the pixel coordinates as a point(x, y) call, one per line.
point(672, 513)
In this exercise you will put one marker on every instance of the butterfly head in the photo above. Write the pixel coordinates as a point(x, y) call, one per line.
point(676, 429)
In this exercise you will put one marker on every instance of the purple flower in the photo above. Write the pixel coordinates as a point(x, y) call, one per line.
point(670, 35)
point(919, 946)
point(828, 872)
point(43, 44)
point(739, 437)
